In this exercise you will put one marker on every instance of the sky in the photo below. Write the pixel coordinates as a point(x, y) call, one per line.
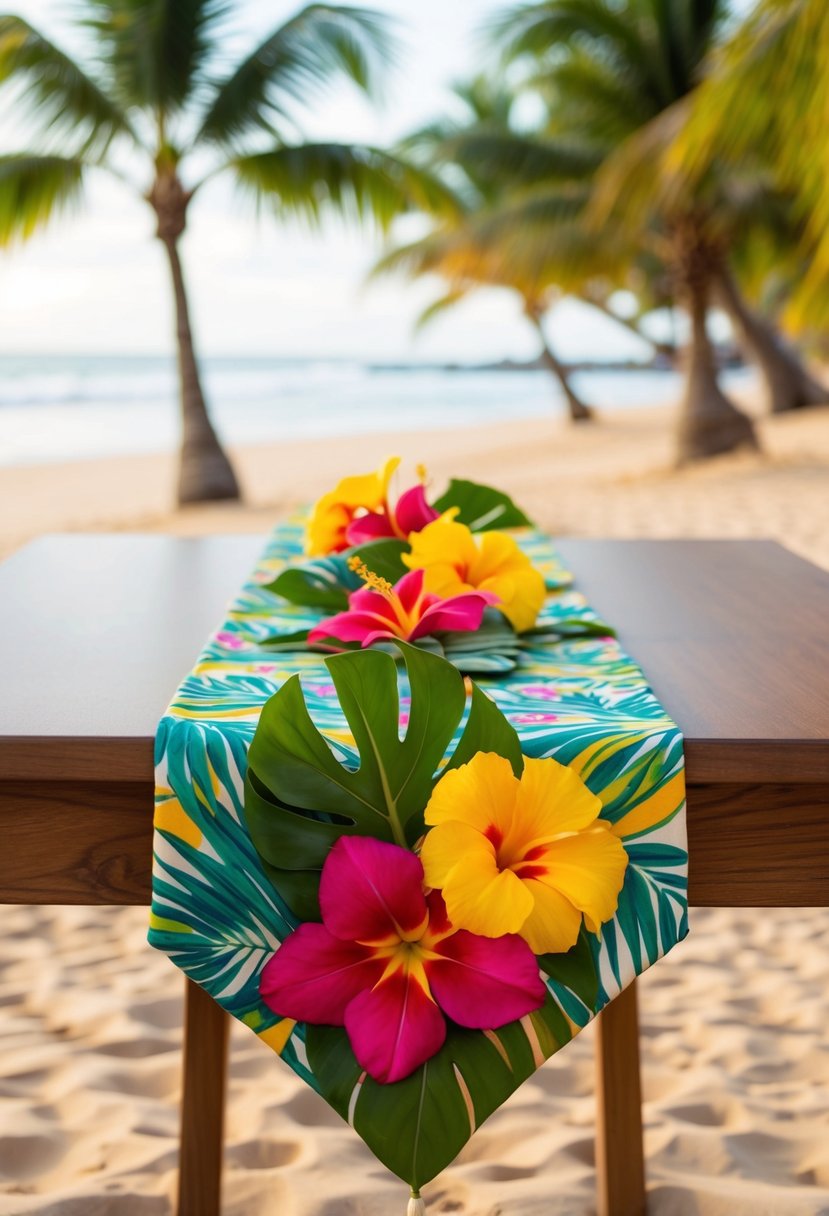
point(96, 282)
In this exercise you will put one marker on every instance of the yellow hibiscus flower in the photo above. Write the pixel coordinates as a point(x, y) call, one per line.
point(333, 513)
point(527, 856)
point(456, 560)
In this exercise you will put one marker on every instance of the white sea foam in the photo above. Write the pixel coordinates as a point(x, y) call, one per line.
point(74, 407)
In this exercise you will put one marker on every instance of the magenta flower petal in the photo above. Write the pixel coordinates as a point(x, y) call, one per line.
point(313, 976)
point(371, 890)
point(460, 613)
point(394, 1028)
point(413, 512)
point(350, 627)
point(409, 589)
point(365, 599)
point(369, 527)
point(485, 982)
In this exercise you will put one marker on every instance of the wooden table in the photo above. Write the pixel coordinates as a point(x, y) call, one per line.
point(96, 632)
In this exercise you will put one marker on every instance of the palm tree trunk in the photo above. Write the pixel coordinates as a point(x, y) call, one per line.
point(205, 472)
point(789, 385)
point(708, 422)
point(579, 412)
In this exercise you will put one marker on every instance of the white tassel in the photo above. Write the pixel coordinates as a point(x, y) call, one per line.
point(416, 1207)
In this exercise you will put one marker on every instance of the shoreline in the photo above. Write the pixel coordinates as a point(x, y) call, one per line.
point(613, 477)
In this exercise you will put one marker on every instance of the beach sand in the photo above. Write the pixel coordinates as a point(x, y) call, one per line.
point(735, 1052)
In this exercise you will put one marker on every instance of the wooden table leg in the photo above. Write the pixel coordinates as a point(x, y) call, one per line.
point(620, 1160)
point(202, 1105)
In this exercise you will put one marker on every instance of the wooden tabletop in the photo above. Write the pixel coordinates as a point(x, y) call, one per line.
point(97, 631)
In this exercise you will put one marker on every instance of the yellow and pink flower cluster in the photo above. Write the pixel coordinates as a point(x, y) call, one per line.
point(510, 867)
point(455, 574)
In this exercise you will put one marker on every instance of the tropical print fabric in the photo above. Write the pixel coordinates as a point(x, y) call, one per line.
point(574, 696)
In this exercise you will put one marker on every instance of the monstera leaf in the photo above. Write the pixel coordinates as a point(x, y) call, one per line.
point(480, 507)
point(299, 799)
point(418, 1126)
point(326, 581)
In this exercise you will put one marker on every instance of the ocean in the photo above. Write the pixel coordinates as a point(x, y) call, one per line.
point(58, 408)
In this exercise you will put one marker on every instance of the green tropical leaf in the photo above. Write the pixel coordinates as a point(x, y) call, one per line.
point(480, 507)
point(320, 583)
point(492, 648)
point(33, 189)
point(575, 970)
point(299, 799)
point(57, 90)
point(320, 44)
point(156, 50)
point(357, 181)
point(417, 1126)
point(325, 582)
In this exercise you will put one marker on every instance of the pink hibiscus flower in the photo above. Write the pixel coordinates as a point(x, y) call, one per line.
point(388, 966)
point(381, 611)
point(411, 513)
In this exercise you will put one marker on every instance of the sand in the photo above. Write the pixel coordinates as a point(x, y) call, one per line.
point(735, 1054)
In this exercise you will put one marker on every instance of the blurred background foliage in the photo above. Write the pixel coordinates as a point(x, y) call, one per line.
point(673, 153)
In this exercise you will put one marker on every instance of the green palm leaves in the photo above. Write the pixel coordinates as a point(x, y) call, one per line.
point(769, 94)
point(32, 189)
point(296, 60)
point(159, 87)
point(299, 798)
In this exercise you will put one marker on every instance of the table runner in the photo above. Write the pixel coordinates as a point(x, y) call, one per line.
point(579, 699)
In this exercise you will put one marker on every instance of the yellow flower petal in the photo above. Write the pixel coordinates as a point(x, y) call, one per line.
point(481, 793)
point(553, 798)
point(443, 543)
point(589, 869)
point(335, 510)
point(483, 899)
point(455, 561)
point(553, 925)
point(445, 846)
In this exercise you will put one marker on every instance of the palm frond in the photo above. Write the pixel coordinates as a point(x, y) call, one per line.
point(319, 45)
point(355, 181)
point(768, 92)
point(539, 30)
point(33, 189)
point(637, 180)
point(156, 51)
point(61, 96)
point(439, 306)
point(522, 160)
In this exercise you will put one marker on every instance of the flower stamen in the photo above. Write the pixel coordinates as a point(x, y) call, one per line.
point(369, 577)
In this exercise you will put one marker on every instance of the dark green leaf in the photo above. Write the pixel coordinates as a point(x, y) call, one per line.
point(298, 640)
point(32, 190)
point(386, 795)
point(315, 584)
point(481, 508)
point(416, 1127)
point(325, 582)
point(576, 970)
point(487, 730)
point(299, 799)
point(354, 180)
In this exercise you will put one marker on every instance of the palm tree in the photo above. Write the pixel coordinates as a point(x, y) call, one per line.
point(157, 88)
point(460, 249)
point(462, 256)
point(616, 74)
point(767, 93)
